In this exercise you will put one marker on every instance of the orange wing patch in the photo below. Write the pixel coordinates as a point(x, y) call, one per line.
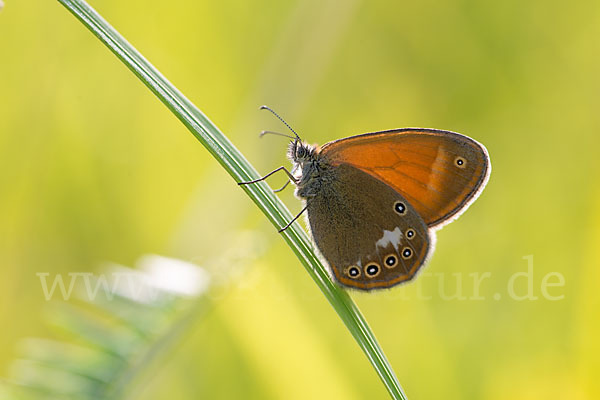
point(439, 172)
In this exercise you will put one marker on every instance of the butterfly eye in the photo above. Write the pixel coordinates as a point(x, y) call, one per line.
point(407, 253)
point(400, 208)
point(391, 261)
point(410, 234)
point(301, 152)
point(372, 270)
point(460, 162)
point(353, 272)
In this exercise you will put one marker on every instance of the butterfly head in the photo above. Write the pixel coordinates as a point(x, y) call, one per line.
point(309, 167)
point(301, 153)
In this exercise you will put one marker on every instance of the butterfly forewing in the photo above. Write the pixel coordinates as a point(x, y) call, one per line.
point(440, 173)
point(369, 233)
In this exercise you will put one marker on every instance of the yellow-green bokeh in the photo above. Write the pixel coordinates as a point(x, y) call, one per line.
point(94, 168)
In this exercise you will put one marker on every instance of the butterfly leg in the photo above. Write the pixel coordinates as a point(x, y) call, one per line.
point(292, 221)
point(289, 174)
point(281, 188)
point(288, 182)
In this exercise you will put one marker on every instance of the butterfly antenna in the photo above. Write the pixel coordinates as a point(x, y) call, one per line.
point(281, 119)
point(263, 133)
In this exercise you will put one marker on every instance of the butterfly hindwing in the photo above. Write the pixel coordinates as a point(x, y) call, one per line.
point(369, 233)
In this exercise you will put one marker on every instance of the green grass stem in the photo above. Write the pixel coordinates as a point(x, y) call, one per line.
point(240, 170)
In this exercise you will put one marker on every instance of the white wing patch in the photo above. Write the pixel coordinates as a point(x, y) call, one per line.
point(390, 237)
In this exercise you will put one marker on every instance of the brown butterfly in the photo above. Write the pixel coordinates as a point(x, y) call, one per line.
point(374, 201)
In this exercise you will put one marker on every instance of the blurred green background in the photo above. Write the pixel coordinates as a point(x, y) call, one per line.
point(94, 168)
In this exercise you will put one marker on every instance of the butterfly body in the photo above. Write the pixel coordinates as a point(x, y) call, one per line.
point(374, 201)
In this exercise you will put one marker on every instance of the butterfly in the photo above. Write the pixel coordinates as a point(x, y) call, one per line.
point(374, 201)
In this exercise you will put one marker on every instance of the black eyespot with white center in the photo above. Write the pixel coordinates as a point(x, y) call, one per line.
point(353, 272)
point(400, 207)
point(372, 270)
point(460, 162)
point(410, 233)
point(391, 261)
point(407, 253)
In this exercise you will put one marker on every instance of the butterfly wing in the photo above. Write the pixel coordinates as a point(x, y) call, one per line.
point(368, 233)
point(440, 173)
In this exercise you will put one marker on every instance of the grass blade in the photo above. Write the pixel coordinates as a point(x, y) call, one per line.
point(239, 168)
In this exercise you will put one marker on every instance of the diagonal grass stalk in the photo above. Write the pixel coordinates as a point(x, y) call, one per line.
point(239, 168)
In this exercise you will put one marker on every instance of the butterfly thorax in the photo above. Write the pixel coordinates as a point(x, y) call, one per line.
point(312, 168)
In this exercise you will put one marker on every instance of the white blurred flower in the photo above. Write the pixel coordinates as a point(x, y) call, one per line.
point(173, 275)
